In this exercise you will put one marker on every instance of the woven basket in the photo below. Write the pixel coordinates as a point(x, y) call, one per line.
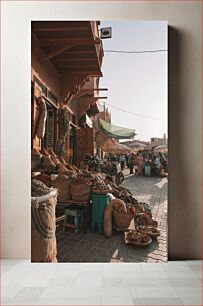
point(62, 183)
point(153, 235)
point(138, 244)
point(97, 191)
point(80, 192)
point(122, 220)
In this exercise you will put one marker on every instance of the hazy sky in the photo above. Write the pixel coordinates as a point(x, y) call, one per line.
point(137, 82)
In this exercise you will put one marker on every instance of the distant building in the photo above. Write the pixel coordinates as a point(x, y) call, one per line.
point(155, 141)
point(148, 145)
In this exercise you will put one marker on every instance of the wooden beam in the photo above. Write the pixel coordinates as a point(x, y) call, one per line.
point(82, 93)
point(95, 89)
point(80, 67)
point(91, 59)
point(62, 29)
point(75, 41)
point(56, 52)
point(80, 51)
point(92, 73)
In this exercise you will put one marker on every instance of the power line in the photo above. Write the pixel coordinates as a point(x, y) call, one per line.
point(134, 114)
point(141, 51)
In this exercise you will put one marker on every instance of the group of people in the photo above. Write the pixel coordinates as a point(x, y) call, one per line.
point(137, 162)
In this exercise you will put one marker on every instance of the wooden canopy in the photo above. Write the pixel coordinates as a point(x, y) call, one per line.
point(70, 45)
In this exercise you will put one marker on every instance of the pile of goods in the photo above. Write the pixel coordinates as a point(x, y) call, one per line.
point(38, 188)
point(151, 231)
point(81, 181)
point(47, 161)
point(36, 157)
point(137, 238)
point(62, 183)
point(100, 187)
point(48, 164)
point(122, 216)
point(145, 219)
point(81, 189)
point(44, 178)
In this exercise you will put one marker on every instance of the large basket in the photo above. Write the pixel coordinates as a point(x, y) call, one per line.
point(62, 183)
point(121, 219)
point(43, 228)
point(81, 192)
point(148, 232)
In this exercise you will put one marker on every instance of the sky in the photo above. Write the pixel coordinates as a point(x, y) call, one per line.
point(137, 83)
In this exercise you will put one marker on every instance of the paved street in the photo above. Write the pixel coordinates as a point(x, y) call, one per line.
point(94, 247)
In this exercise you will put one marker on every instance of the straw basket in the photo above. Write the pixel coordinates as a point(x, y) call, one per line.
point(138, 244)
point(81, 192)
point(122, 220)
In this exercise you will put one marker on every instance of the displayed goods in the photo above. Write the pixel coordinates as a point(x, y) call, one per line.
point(36, 117)
point(124, 194)
point(81, 189)
point(45, 152)
point(122, 220)
point(75, 168)
point(145, 219)
point(55, 160)
point(34, 174)
point(43, 226)
point(70, 167)
point(101, 188)
point(44, 178)
point(81, 180)
point(35, 161)
point(64, 122)
point(38, 188)
point(149, 230)
point(62, 183)
point(48, 164)
point(51, 152)
point(136, 238)
point(35, 151)
point(108, 215)
point(36, 158)
point(42, 119)
point(62, 168)
point(62, 160)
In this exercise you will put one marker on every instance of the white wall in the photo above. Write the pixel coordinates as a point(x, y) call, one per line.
point(184, 109)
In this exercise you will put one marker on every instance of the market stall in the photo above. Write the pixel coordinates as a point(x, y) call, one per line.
point(89, 200)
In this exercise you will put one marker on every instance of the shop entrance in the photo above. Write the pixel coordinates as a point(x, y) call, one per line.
point(50, 132)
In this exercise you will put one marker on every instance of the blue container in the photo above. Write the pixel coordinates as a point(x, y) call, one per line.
point(99, 203)
point(147, 171)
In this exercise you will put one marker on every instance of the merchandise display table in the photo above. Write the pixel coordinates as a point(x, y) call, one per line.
point(76, 215)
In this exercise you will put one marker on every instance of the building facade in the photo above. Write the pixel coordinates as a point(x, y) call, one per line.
point(66, 59)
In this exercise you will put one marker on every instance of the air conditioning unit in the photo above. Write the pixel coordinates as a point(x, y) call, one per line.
point(105, 32)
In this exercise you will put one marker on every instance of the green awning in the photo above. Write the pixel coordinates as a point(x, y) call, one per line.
point(115, 131)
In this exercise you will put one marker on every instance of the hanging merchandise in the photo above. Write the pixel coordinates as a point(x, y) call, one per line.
point(64, 122)
point(42, 120)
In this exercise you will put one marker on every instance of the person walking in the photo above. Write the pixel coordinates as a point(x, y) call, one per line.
point(132, 162)
point(140, 161)
point(122, 161)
